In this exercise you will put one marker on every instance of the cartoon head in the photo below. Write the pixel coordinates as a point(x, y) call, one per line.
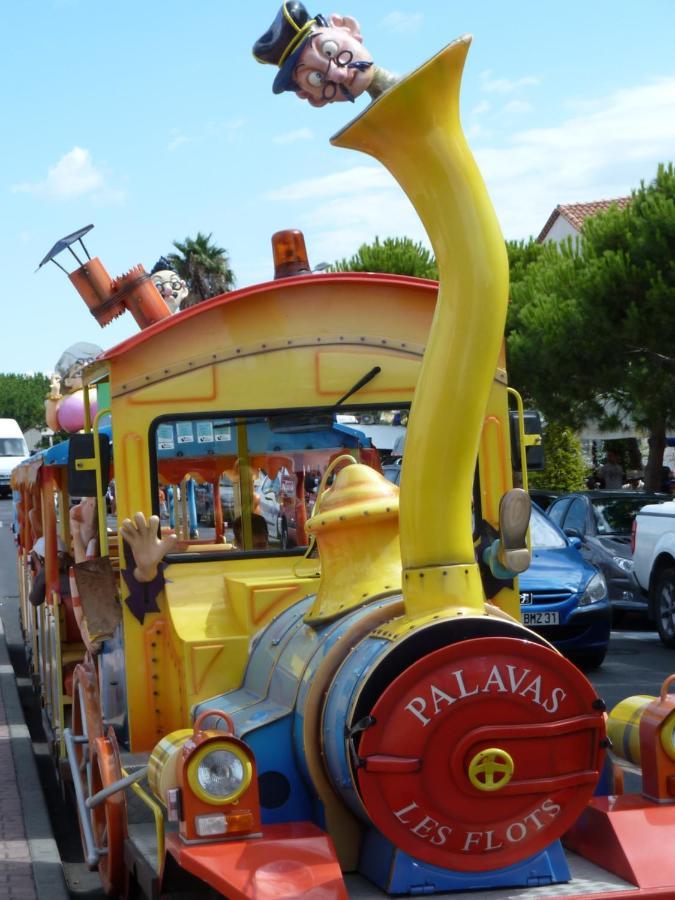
point(169, 284)
point(322, 61)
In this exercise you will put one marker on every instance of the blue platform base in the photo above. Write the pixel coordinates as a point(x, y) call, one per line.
point(397, 873)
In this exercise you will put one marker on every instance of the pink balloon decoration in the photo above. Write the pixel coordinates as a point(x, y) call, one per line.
point(71, 411)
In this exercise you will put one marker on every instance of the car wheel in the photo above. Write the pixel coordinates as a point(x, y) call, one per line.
point(283, 535)
point(664, 607)
point(591, 660)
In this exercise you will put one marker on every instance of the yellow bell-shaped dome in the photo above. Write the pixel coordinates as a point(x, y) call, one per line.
point(356, 531)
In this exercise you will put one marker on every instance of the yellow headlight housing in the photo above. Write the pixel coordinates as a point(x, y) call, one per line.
point(219, 772)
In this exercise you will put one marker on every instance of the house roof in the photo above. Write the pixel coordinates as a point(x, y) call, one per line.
point(575, 213)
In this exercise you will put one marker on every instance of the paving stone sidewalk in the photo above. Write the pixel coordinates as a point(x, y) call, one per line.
point(30, 867)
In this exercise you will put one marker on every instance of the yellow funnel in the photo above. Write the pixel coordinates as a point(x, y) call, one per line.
point(415, 131)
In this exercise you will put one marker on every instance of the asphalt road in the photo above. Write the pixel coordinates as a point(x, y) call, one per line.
point(637, 663)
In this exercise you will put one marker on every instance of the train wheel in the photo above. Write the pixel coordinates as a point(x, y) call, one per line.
point(109, 818)
point(86, 724)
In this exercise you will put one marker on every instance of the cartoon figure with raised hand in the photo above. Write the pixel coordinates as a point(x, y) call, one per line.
point(147, 547)
point(321, 60)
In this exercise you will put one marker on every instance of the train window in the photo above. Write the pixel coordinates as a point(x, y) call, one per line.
point(248, 483)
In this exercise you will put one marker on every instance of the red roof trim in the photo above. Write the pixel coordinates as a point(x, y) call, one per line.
point(549, 224)
point(253, 290)
point(576, 213)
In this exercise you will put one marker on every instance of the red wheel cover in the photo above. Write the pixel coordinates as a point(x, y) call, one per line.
point(109, 819)
point(482, 753)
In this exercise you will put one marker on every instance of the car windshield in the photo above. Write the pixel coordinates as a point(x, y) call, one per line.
point(616, 516)
point(12, 447)
point(265, 467)
point(543, 534)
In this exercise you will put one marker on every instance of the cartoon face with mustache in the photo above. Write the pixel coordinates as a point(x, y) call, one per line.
point(321, 60)
point(334, 65)
point(172, 288)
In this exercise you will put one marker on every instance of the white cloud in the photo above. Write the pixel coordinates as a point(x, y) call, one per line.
point(74, 175)
point(401, 23)
point(177, 140)
point(504, 85)
point(290, 137)
point(517, 107)
point(348, 182)
point(227, 129)
point(481, 108)
point(354, 205)
point(598, 154)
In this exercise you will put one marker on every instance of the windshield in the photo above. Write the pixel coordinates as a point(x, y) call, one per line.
point(12, 447)
point(250, 482)
point(616, 516)
point(543, 534)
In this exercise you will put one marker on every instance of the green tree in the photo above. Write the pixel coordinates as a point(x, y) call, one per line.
point(22, 397)
point(565, 468)
point(204, 266)
point(401, 256)
point(591, 326)
point(545, 326)
point(521, 256)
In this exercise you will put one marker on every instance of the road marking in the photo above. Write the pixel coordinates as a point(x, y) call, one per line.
point(637, 635)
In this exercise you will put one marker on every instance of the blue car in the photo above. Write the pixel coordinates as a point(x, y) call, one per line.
point(562, 597)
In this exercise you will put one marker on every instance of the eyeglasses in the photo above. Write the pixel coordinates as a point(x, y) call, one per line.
point(330, 88)
point(174, 285)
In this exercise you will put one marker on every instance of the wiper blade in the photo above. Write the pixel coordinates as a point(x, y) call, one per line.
point(362, 382)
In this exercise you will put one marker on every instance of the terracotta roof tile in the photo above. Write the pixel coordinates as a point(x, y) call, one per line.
point(575, 213)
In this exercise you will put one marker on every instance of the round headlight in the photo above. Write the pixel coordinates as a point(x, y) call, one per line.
point(219, 773)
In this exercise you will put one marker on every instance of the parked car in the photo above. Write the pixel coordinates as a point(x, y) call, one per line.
point(543, 497)
point(13, 449)
point(392, 472)
point(277, 501)
point(204, 501)
point(564, 598)
point(654, 565)
point(603, 521)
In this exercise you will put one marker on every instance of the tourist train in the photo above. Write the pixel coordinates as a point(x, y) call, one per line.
point(327, 682)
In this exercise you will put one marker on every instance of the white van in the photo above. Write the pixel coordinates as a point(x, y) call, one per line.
point(13, 449)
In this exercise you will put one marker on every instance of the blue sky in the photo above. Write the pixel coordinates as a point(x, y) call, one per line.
point(153, 121)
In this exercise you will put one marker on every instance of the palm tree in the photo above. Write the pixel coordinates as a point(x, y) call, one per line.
point(204, 266)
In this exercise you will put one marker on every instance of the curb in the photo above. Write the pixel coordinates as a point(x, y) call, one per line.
point(48, 874)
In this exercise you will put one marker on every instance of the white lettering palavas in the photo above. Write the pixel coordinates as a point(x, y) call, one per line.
point(508, 679)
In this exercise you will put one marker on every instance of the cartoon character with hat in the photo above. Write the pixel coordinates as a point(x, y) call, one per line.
point(170, 285)
point(321, 60)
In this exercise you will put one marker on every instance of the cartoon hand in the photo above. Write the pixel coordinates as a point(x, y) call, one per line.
point(147, 548)
point(54, 388)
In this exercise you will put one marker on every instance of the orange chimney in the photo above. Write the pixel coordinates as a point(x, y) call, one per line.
point(107, 298)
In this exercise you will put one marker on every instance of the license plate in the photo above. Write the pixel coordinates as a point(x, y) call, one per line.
point(541, 618)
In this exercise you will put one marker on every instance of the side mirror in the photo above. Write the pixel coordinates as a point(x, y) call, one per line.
point(82, 465)
point(575, 534)
point(534, 451)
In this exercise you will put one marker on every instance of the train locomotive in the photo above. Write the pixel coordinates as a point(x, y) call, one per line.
point(361, 695)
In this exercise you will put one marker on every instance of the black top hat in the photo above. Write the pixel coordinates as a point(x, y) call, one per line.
point(284, 41)
point(162, 265)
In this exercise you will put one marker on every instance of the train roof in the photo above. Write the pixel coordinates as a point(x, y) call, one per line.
point(328, 280)
point(57, 455)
